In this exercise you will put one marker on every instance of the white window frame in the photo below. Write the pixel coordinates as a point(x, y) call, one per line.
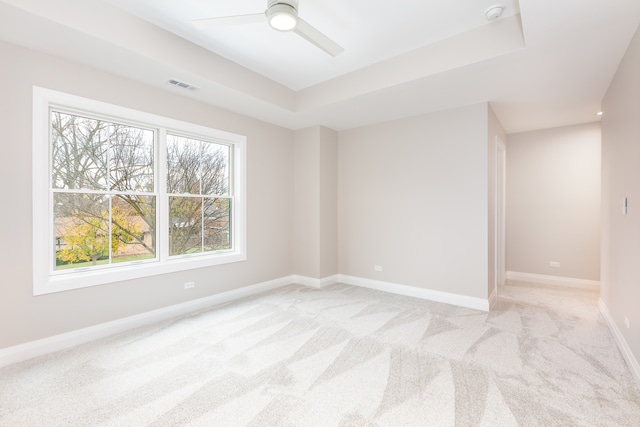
point(45, 279)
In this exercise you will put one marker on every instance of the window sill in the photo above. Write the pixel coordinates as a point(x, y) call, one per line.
point(66, 282)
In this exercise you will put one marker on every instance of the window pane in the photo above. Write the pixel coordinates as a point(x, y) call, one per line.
point(216, 224)
point(131, 159)
point(183, 165)
point(197, 167)
point(81, 224)
point(84, 149)
point(185, 228)
point(79, 152)
point(133, 228)
point(215, 169)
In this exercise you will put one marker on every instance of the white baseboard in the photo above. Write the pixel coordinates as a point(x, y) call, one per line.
point(55, 343)
point(412, 291)
point(593, 285)
point(66, 340)
point(632, 362)
point(315, 283)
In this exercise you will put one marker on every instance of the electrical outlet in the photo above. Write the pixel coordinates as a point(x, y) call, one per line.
point(377, 267)
point(189, 285)
point(626, 322)
point(554, 264)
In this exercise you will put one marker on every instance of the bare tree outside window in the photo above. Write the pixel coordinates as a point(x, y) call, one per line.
point(198, 188)
point(105, 196)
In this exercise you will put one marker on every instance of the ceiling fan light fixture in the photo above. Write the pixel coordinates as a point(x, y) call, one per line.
point(282, 17)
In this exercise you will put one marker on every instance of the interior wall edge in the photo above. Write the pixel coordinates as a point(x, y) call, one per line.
point(624, 348)
point(493, 298)
point(315, 282)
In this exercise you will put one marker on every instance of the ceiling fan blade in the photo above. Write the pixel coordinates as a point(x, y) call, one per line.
point(224, 21)
point(304, 29)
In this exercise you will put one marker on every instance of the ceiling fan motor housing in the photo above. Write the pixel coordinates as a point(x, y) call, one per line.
point(290, 3)
point(282, 15)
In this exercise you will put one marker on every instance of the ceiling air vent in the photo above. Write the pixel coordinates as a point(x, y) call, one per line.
point(183, 85)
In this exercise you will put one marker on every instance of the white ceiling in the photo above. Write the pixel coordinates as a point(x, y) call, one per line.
point(543, 64)
point(362, 27)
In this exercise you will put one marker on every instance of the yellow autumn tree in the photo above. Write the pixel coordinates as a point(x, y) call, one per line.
point(87, 237)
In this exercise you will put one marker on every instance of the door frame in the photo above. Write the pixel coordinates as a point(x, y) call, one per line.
point(499, 213)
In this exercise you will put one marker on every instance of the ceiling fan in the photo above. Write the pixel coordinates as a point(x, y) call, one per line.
point(282, 15)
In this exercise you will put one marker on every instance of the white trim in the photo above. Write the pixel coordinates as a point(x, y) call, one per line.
point(493, 298)
point(542, 279)
point(634, 367)
point(499, 229)
point(55, 343)
point(412, 291)
point(315, 283)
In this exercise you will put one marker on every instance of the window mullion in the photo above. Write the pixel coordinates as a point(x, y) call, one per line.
point(201, 192)
point(162, 199)
point(202, 219)
point(108, 166)
point(110, 228)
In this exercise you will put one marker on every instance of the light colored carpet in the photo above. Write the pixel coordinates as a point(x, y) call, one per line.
point(341, 356)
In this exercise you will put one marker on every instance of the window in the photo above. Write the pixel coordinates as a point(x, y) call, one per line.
point(121, 194)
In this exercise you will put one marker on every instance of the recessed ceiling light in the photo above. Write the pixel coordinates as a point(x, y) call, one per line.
point(599, 113)
point(494, 12)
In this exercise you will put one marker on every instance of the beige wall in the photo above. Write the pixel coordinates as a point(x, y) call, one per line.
point(315, 202)
point(495, 130)
point(412, 197)
point(409, 195)
point(306, 202)
point(621, 178)
point(24, 317)
point(553, 202)
point(328, 202)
